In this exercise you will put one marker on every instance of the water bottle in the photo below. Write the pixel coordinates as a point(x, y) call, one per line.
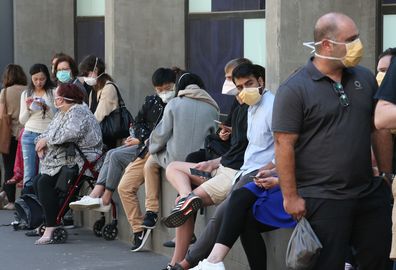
point(131, 131)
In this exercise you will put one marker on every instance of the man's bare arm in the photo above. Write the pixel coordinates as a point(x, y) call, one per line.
point(285, 165)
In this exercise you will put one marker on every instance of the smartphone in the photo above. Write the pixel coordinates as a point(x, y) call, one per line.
point(204, 174)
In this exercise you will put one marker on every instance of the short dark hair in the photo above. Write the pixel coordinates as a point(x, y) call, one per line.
point(70, 91)
point(246, 70)
point(13, 74)
point(389, 51)
point(162, 76)
point(37, 68)
point(70, 60)
point(185, 79)
point(88, 64)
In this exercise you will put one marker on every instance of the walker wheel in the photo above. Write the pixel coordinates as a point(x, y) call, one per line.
point(59, 236)
point(109, 231)
point(98, 226)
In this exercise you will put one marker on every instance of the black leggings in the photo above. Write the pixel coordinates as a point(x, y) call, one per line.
point(9, 160)
point(240, 221)
point(48, 197)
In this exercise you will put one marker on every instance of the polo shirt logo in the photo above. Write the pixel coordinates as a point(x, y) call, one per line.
point(358, 85)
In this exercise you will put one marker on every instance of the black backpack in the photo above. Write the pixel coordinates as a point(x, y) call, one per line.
point(29, 212)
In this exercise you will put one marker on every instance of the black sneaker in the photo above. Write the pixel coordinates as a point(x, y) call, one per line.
point(150, 219)
point(139, 239)
point(184, 208)
point(171, 243)
point(175, 267)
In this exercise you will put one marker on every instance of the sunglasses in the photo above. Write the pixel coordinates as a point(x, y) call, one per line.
point(343, 98)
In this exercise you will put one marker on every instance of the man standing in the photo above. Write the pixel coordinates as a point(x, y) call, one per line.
point(323, 128)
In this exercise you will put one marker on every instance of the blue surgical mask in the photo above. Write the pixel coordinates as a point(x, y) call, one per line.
point(63, 76)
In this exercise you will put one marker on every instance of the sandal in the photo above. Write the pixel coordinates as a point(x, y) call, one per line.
point(44, 240)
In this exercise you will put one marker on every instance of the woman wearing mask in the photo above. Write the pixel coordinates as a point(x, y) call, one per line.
point(14, 82)
point(103, 99)
point(36, 112)
point(66, 71)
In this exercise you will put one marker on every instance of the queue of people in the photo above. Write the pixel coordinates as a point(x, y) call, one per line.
point(304, 152)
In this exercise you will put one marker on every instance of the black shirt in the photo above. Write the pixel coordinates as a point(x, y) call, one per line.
point(233, 158)
point(332, 153)
point(387, 90)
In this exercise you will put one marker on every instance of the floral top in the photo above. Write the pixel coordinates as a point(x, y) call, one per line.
point(77, 125)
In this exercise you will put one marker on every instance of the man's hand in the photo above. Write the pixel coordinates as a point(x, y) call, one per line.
point(131, 141)
point(206, 166)
point(224, 134)
point(295, 206)
point(266, 182)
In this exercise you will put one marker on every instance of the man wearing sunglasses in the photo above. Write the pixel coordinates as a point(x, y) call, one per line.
point(322, 124)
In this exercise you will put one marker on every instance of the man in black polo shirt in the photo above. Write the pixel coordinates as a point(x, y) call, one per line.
point(322, 121)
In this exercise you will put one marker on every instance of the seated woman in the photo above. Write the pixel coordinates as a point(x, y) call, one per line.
point(258, 206)
point(74, 123)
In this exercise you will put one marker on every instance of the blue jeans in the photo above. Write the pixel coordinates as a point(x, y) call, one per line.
point(30, 159)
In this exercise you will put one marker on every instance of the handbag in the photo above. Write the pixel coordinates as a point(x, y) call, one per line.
point(304, 247)
point(5, 128)
point(65, 176)
point(116, 125)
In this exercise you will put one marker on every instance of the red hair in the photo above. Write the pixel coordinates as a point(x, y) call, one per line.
point(70, 91)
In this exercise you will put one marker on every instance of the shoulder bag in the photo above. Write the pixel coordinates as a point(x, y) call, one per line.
point(116, 124)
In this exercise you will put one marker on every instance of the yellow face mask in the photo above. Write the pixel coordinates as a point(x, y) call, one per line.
point(250, 96)
point(380, 77)
point(354, 52)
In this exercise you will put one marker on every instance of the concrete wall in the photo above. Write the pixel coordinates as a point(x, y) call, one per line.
point(7, 34)
point(42, 28)
point(291, 22)
point(142, 35)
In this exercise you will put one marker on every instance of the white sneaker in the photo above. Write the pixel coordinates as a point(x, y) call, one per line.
point(205, 265)
point(102, 207)
point(85, 202)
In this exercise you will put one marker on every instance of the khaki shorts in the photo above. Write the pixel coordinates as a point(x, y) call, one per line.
point(220, 184)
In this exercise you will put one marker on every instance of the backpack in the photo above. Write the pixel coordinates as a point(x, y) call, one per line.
point(29, 212)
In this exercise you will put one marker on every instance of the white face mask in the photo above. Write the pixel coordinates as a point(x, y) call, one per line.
point(166, 96)
point(229, 88)
point(92, 81)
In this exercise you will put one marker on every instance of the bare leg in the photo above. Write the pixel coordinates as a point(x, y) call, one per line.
point(178, 174)
point(207, 201)
point(45, 239)
point(183, 238)
point(97, 192)
point(218, 253)
point(106, 197)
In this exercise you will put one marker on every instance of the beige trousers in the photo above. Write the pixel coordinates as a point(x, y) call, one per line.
point(152, 176)
point(127, 189)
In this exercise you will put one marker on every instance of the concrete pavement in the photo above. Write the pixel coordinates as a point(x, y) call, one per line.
point(82, 251)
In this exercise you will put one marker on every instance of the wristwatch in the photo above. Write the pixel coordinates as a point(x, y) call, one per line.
point(387, 176)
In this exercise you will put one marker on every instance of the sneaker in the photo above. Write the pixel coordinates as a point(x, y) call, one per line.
point(85, 202)
point(184, 208)
point(102, 207)
point(175, 267)
point(171, 243)
point(150, 219)
point(139, 239)
point(348, 266)
point(205, 265)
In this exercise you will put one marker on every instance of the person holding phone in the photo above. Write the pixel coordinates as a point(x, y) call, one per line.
point(36, 112)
